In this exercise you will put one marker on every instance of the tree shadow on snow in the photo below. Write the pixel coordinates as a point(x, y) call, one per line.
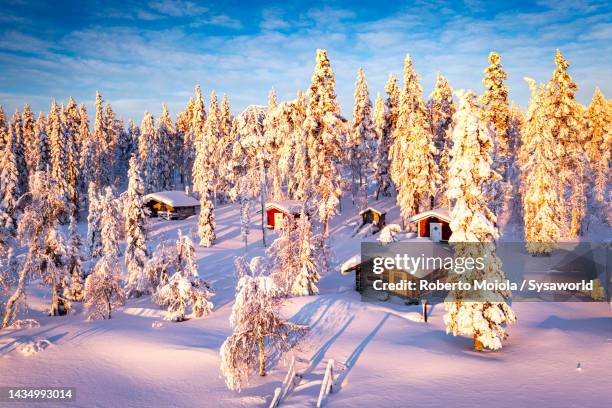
point(593, 325)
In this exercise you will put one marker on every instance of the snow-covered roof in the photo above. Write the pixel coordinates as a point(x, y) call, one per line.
point(175, 198)
point(350, 264)
point(372, 209)
point(441, 213)
point(286, 206)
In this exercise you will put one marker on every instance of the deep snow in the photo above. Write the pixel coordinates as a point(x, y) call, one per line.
point(385, 356)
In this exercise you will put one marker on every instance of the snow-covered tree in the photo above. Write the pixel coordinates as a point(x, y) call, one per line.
point(256, 325)
point(324, 132)
point(185, 294)
point(103, 290)
point(564, 116)
point(9, 178)
point(94, 219)
point(539, 174)
point(481, 314)
point(146, 150)
point(71, 118)
point(413, 166)
point(29, 139)
point(599, 144)
point(225, 145)
point(185, 126)
point(135, 215)
point(73, 290)
point(361, 137)
point(381, 162)
point(58, 153)
point(43, 159)
point(16, 131)
point(3, 128)
point(165, 145)
point(440, 111)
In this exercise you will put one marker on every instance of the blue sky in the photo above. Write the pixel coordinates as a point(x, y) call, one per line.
point(143, 54)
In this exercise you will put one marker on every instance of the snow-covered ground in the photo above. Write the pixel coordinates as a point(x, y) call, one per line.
point(558, 354)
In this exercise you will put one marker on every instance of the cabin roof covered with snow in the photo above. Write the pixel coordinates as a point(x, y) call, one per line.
point(380, 212)
point(350, 264)
point(286, 206)
point(175, 198)
point(441, 213)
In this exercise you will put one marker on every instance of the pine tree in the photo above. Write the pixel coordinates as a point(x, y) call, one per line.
point(43, 159)
point(381, 156)
point(413, 166)
point(185, 126)
point(481, 315)
point(539, 174)
point(74, 260)
point(185, 289)
point(210, 140)
point(598, 146)
point(29, 139)
point(109, 146)
point(94, 217)
point(226, 143)
point(440, 111)
point(71, 119)
point(564, 116)
point(273, 145)
point(58, 152)
point(256, 324)
point(392, 103)
point(312, 259)
point(4, 130)
point(165, 141)
point(324, 128)
point(146, 148)
point(99, 142)
point(361, 136)
point(135, 231)
point(9, 179)
point(19, 152)
point(103, 290)
point(87, 155)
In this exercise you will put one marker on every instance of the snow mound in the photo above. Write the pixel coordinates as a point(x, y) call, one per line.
point(33, 347)
point(157, 325)
point(25, 324)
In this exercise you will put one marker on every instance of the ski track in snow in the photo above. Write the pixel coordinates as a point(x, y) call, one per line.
point(385, 356)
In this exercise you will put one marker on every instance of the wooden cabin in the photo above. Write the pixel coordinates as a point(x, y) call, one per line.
point(176, 205)
point(373, 216)
point(433, 224)
point(277, 211)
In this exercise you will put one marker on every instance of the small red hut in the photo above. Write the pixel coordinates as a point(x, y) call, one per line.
point(433, 224)
point(276, 212)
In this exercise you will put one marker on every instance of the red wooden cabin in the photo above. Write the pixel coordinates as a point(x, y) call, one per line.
point(276, 212)
point(433, 224)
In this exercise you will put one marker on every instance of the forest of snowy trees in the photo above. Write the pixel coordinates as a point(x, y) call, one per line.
point(485, 159)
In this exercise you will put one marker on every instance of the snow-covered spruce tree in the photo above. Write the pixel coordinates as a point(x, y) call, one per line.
point(184, 126)
point(283, 256)
point(226, 143)
point(43, 160)
point(247, 161)
point(273, 145)
point(30, 142)
point(312, 259)
point(413, 168)
point(256, 325)
point(440, 110)
point(361, 138)
point(109, 147)
point(135, 215)
point(74, 288)
point(58, 153)
point(86, 155)
point(94, 217)
point(599, 144)
point(293, 155)
point(9, 179)
point(16, 131)
point(3, 128)
point(103, 290)
point(71, 118)
point(211, 140)
point(98, 141)
point(38, 229)
point(146, 147)
point(185, 294)
point(381, 162)
point(539, 174)
point(165, 140)
point(483, 314)
point(197, 115)
point(324, 130)
point(564, 116)
point(203, 175)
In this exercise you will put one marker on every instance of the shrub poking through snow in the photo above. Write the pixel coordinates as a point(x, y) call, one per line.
point(185, 294)
point(255, 322)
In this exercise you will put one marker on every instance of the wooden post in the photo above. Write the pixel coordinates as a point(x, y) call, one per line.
point(424, 312)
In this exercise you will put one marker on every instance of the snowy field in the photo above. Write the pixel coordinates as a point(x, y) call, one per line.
point(557, 355)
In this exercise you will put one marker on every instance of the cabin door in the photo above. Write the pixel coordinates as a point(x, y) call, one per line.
point(278, 220)
point(435, 231)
